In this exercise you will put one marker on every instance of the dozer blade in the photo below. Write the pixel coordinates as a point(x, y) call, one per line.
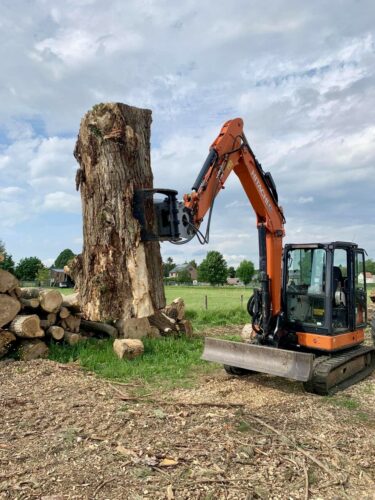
point(288, 364)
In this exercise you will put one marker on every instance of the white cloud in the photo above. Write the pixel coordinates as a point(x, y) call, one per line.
point(301, 75)
point(61, 202)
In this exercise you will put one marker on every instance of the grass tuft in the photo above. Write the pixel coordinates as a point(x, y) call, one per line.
point(167, 362)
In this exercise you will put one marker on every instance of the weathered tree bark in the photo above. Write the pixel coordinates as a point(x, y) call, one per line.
point(8, 282)
point(71, 323)
point(176, 310)
point(64, 313)
point(6, 340)
point(47, 320)
point(31, 303)
point(9, 308)
point(94, 326)
point(117, 275)
point(30, 293)
point(72, 338)
point(32, 349)
point(163, 322)
point(26, 326)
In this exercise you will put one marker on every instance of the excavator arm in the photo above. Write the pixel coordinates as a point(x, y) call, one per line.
point(229, 152)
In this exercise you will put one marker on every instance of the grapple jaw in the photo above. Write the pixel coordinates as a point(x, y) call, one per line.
point(263, 359)
point(165, 219)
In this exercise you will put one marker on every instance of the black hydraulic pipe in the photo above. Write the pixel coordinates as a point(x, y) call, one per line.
point(211, 158)
point(264, 280)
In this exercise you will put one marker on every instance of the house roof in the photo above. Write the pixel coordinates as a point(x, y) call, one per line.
point(181, 267)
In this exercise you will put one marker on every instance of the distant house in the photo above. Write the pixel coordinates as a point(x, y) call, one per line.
point(234, 281)
point(59, 278)
point(370, 278)
point(173, 273)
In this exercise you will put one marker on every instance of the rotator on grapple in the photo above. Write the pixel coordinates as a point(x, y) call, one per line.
point(309, 314)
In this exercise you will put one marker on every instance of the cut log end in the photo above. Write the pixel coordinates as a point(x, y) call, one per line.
point(56, 332)
point(6, 341)
point(128, 348)
point(26, 326)
point(50, 300)
point(9, 308)
point(32, 349)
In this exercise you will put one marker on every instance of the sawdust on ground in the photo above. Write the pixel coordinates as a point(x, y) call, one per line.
point(67, 434)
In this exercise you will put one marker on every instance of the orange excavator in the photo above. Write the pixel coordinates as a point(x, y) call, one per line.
point(309, 314)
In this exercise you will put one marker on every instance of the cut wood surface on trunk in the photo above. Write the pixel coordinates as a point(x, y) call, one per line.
point(9, 308)
point(8, 282)
point(117, 275)
point(32, 349)
point(26, 326)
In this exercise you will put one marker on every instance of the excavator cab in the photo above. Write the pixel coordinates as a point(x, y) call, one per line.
point(324, 292)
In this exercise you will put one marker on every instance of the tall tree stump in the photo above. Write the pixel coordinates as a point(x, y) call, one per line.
point(117, 275)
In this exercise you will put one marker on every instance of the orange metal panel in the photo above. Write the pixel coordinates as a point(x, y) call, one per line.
point(330, 342)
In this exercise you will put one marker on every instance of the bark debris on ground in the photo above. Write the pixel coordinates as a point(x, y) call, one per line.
point(69, 434)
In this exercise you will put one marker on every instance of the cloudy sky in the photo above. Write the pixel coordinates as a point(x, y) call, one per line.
point(300, 74)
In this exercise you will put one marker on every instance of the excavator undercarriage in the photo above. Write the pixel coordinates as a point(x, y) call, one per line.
point(320, 374)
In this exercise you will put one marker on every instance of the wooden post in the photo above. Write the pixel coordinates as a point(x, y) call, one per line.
point(241, 301)
point(205, 302)
point(117, 275)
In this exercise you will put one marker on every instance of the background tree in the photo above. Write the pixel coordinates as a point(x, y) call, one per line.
point(370, 266)
point(245, 271)
point(184, 277)
point(213, 269)
point(43, 274)
point(6, 263)
point(27, 268)
point(193, 263)
point(168, 266)
point(231, 272)
point(63, 258)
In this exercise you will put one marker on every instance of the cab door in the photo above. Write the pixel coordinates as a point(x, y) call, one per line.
point(360, 293)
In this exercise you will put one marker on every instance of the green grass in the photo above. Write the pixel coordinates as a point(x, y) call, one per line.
point(223, 298)
point(167, 362)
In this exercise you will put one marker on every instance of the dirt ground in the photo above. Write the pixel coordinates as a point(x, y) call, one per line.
point(67, 434)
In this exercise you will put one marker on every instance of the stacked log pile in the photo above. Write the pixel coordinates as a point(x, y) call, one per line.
point(30, 318)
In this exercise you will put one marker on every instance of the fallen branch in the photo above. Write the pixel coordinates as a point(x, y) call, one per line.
point(160, 402)
point(301, 450)
point(102, 484)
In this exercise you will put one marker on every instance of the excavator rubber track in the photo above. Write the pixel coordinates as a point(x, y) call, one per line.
point(339, 371)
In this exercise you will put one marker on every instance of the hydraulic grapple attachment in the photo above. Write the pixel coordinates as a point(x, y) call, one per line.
point(288, 364)
point(165, 219)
